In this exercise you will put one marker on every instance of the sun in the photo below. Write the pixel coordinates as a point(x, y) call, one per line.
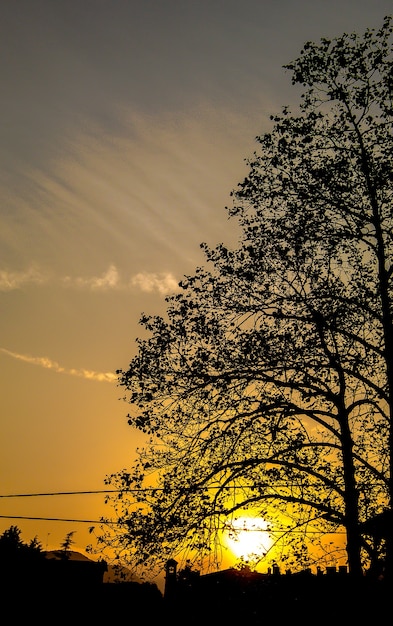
point(248, 538)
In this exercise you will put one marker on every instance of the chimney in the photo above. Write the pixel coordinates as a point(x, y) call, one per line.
point(170, 579)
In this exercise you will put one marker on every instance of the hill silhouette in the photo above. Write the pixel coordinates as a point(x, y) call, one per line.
point(113, 573)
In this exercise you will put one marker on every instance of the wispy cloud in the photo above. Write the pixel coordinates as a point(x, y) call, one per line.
point(163, 283)
point(108, 280)
point(47, 363)
point(11, 280)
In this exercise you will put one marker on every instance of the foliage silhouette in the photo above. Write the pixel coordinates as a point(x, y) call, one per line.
point(13, 548)
point(66, 545)
point(267, 386)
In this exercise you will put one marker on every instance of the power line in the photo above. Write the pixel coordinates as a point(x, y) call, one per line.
point(86, 521)
point(62, 493)
point(55, 519)
point(107, 491)
point(151, 489)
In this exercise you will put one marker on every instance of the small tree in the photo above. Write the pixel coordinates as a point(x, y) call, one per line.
point(268, 384)
point(66, 545)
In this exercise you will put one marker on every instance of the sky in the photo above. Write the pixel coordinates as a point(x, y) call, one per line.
point(125, 125)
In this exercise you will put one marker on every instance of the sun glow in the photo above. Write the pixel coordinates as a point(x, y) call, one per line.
point(248, 538)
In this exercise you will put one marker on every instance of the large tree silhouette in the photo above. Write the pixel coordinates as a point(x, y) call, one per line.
point(267, 386)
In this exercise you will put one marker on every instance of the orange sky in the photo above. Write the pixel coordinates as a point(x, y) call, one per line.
point(125, 127)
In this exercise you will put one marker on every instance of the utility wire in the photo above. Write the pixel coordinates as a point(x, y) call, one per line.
point(61, 493)
point(55, 519)
point(145, 489)
point(102, 491)
point(86, 521)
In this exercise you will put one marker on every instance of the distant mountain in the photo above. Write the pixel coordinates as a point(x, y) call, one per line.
point(71, 555)
point(118, 573)
point(115, 573)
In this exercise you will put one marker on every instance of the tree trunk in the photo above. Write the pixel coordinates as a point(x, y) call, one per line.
point(351, 501)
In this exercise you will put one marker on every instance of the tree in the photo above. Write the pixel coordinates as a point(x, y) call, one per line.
point(68, 541)
point(267, 385)
point(12, 546)
point(17, 558)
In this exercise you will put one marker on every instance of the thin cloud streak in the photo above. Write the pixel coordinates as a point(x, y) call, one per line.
point(108, 280)
point(139, 193)
point(47, 363)
point(148, 282)
point(11, 280)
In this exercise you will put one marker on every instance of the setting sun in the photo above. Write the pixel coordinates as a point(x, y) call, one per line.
point(248, 537)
